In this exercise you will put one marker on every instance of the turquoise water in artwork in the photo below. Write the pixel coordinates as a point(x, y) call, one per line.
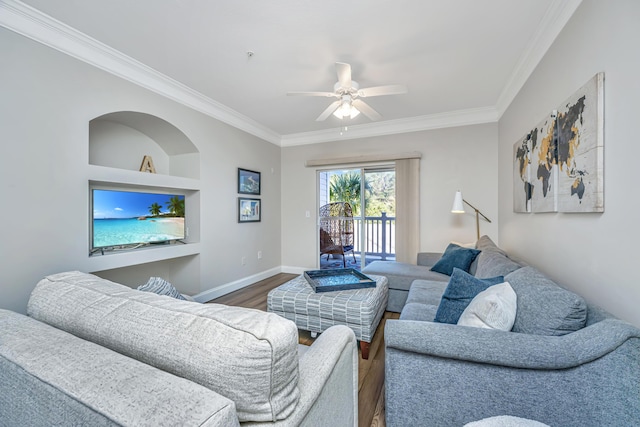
point(126, 231)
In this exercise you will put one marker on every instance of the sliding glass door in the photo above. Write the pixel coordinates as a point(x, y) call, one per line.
point(356, 218)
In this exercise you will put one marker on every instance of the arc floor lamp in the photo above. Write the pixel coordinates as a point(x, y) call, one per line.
point(458, 207)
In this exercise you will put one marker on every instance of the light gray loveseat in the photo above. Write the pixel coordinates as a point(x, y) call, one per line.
point(94, 352)
point(565, 362)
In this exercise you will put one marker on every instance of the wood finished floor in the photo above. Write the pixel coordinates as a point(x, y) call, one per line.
point(370, 372)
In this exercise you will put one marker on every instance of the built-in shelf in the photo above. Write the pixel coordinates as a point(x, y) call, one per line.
point(118, 143)
point(108, 175)
point(111, 260)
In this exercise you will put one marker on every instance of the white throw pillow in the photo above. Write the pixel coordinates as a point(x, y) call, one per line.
point(493, 308)
point(505, 421)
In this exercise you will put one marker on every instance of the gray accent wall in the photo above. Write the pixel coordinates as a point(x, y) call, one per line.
point(594, 254)
point(47, 100)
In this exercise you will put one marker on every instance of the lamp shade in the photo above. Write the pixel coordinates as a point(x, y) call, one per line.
point(458, 206)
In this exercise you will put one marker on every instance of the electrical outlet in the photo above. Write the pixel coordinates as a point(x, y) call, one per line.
point(186, 232)
point(244, 260)
point(259, 254)
point(307, 214)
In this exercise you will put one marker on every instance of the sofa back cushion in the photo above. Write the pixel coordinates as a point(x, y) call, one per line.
point(49, 377)
point(492, 260)
point(248, 356)
point(544, 308)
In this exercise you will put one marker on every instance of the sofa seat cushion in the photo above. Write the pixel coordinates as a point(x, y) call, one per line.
point(248, 356)
point(401, 275)
point(544, 308)
point(419, 312)
point(427, 292)
point(422, 302)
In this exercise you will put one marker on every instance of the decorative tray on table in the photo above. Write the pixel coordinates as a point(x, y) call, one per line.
point(338, 279)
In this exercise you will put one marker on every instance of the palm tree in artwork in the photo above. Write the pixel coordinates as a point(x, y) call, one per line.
point(155, 209)
point(176, 206)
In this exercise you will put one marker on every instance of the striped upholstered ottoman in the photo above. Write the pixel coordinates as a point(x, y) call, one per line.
point(359, 309)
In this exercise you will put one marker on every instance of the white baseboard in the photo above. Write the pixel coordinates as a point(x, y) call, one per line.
point(227, 288)
point(294, 270)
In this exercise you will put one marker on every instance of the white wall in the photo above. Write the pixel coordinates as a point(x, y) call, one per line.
point(463, 158)
point(109, 140)
point(593, 254)
point(47, 100)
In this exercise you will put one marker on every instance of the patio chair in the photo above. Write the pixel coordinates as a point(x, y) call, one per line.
point(336, 230)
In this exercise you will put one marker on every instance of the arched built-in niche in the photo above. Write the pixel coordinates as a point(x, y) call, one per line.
point(121, 140)
point(118, 143)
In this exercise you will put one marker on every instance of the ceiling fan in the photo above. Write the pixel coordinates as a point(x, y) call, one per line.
point(348, 92)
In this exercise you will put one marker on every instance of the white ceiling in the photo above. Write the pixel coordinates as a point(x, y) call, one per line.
point(461, 60)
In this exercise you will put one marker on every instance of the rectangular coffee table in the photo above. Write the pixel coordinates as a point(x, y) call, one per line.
point(359, 309)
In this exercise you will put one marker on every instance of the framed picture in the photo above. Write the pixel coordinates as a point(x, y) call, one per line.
point(248, 182)
point(249, 210)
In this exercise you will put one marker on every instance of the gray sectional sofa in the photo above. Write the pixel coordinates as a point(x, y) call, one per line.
point(94, 352)
point(565, 362)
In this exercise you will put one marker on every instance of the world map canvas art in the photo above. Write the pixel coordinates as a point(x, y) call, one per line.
point(535, 171)
point(558, 165)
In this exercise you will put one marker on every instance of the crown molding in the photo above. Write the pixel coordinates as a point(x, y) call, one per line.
point(390, 127)
point(30, 22)
point(34, 24)
point(552, 23)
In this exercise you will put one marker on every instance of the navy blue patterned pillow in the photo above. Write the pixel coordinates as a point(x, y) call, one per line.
point(160, 286)
point(462, 288)
point(455, 257)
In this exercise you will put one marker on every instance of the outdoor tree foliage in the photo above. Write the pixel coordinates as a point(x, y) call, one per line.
point(381, 196)
point(380, 193)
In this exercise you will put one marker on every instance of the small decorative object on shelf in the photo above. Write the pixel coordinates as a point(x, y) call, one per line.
point(338, 279)
point(147, 165)
point(248, 182)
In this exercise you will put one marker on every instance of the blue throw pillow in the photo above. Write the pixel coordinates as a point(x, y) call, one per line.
point(462, 288)
point(455, 257)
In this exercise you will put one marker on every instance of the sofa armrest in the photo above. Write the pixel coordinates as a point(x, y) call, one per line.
point(444, 375)
point(508, 348)
point(328, 382)
point(428, 259)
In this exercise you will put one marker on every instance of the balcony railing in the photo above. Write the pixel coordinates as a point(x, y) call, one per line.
point(380, 236)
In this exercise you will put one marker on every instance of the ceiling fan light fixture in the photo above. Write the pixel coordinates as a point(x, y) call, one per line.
point(348, 92)
point(346, 110)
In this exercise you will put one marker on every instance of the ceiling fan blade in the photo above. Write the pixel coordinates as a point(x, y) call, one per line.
point(344, 74)
point(382, 90)
point(326, 113)
point(325, 94)
point(366, 110)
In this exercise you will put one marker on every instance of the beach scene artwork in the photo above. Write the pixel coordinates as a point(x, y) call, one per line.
point(129, 218)
point(248, 182)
